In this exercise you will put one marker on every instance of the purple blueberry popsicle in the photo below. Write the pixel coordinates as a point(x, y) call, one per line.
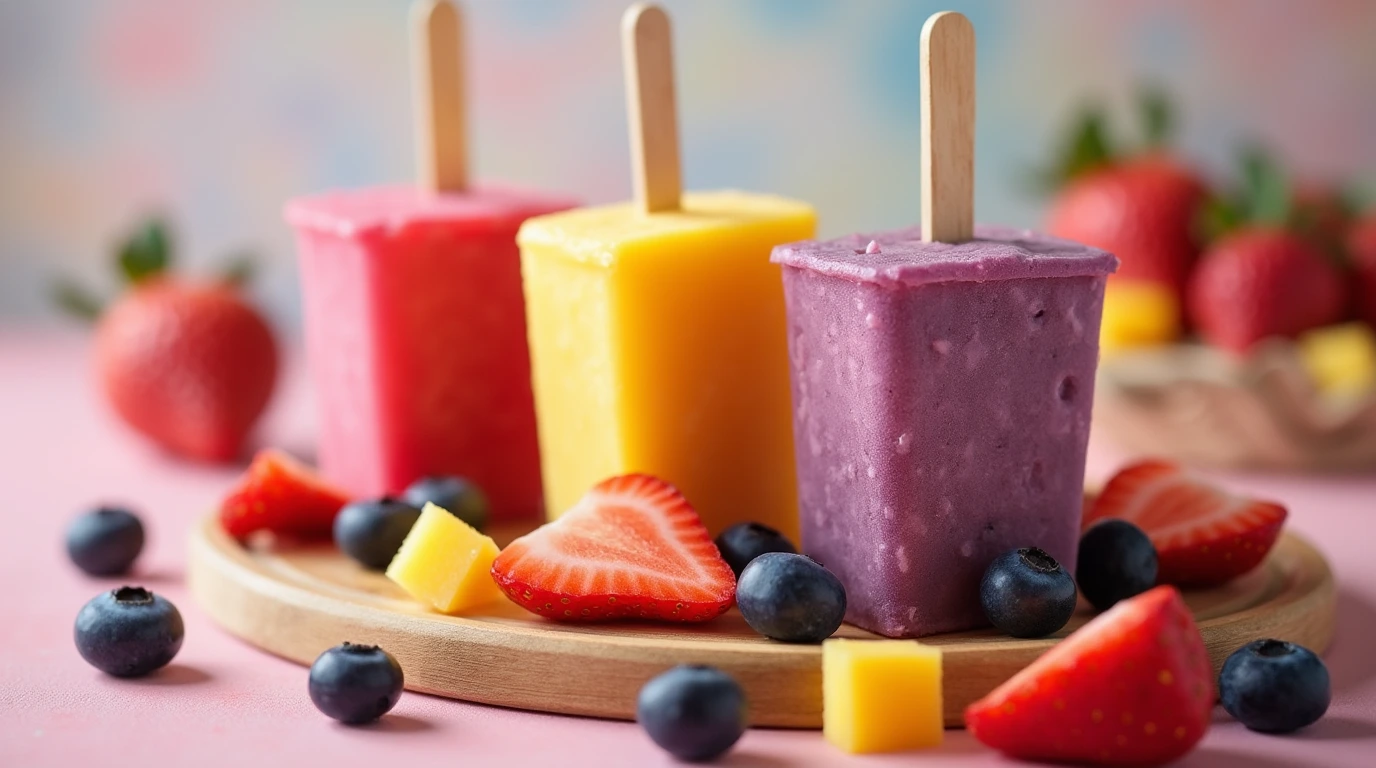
point(941, 397)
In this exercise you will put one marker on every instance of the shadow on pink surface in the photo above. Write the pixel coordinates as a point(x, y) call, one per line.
point(1212, 757)
point(1338, 729)
point(172, 674)
point(391, 723)
point(748, 759)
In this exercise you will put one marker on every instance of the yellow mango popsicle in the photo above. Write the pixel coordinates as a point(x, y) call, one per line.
point(658, 345)
point(657, 330)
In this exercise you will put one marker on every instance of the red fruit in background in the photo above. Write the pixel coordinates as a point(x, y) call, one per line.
point(1142, 210)
point(1257, 282)
point(1132, 687)
point(281, 495)
point(191, 366)
point(631, 548)
point(1204, 536)
point(1361, 248)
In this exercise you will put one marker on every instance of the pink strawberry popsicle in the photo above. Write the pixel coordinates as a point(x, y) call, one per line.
point(416, 338)
point(415, 321)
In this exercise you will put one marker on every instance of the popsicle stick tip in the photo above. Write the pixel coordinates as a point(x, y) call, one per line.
point(440, 119)
point(425, 10)
point(652, 108)
point(950, 23)
point(641, 14)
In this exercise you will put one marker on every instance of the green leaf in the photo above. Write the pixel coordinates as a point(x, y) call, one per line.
point(240, 269)
point(1083, 149)
point(75, 300)
point(1217, 216)
point(1265, 189)
point(147, 252)
point(1088, 148)
point(1157, 116)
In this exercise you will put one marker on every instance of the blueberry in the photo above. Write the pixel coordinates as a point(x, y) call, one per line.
point(371, 531)
point(105, 542)
point(791, 598)
point(1026, 593)
point(128, 632)
point(458, 496)
point(695, 713)
point(355, 683)
point(744, 542)
point(1117, 561)
point(1274, 687)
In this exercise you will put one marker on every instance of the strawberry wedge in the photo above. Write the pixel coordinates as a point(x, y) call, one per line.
point(1204, 535)
point(282, 495)
point(631, 548)
point(1132, 687)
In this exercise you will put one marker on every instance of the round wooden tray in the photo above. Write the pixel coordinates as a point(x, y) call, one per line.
point(296, 602)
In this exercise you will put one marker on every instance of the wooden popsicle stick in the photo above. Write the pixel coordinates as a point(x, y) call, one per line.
point(647, 51)
point(948, 128)
point(437, 74)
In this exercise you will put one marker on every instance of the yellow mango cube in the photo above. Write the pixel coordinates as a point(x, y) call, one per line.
point(445, 563)
point(881, 695)
point(658, 345)
point(1138, 314)
point(1341, 358)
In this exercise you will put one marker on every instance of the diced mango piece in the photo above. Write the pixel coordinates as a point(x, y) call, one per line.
point(658, 345)
point(881, 695)
point(446, 563)
point(1341, 358)
point(1138, 314)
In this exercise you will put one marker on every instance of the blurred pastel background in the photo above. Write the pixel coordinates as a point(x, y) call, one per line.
point(216, 111)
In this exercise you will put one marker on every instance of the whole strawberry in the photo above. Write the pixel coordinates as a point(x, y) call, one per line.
point(1140, 205)
point(188, 364)
point(1263, 281)
point(1265, 273)
point(1141, 210)
point(1361, 249)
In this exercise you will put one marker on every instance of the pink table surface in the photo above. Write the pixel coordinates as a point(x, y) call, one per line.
point(223, 703)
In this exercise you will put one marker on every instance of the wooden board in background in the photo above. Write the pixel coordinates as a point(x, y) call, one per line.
point(296, 602)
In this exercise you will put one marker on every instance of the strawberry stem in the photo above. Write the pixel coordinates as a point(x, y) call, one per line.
point(1085, 148)
point(1265, 188)
point(1262, 197)
point(146, 253)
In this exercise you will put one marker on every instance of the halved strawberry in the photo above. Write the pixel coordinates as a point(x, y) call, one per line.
point(632, 548)
point(1132, 687)
point(282, 495)
point(1203, 535)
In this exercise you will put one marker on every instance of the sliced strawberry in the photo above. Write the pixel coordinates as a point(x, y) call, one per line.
point(632, 548)
point(1204, 536)
point(282, 495)
point(1132, 687)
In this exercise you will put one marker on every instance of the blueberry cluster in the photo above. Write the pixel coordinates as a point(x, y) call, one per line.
point(131, 632)
point(372, 530)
